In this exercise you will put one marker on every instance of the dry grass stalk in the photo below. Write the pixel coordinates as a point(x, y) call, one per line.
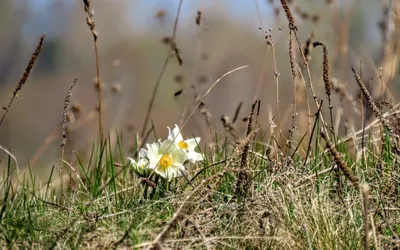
point(308, 47)
point(230, 125)
point(91, 23)
point(200, 99)
point(206, 113)
point(248, 132)
point(198, 18)
point(11, 155)
point(64, 128)
point(293, 71)
point(242, 181)
point(389, 26)
point(293, 28)
point(177, 53)
point(65, 113)
point(25, 76)
point(307, 231)
point(289, 15)
point(372, 104)
point(365, 194)
point(202, 56)
point(276, 75)
point(164, 68)
point(159, 240)
point(338, 159)
point(327, 78)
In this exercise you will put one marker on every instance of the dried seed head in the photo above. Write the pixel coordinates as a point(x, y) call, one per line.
point(97, 85)
point(305, 16)
point(384, 104)
point(166, 40)
point(116, 87)
point(308, 47)
point(225, 119)
point(178, 78)
point(160, 14)
point(339, 160)
point(70, 118)
point(365, 189)
point(95, 35)
point(326, 76)
point(177, 53)
point(198, 18)
point(289, 15)
point(178, 93)
point(315, 18)
point(76, 108)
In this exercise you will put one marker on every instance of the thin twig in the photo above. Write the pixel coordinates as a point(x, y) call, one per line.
point(160, 76)
point(64, 128)
point(365, 193)
point(91, 23)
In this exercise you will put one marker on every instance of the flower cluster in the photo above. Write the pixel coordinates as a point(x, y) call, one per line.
point(167, 158)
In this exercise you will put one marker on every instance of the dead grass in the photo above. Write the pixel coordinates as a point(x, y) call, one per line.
point(265, 189)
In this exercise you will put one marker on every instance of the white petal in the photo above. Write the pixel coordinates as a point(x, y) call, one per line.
point(192, 143)
point(131, 161)
point(174, 171)
point(193, 156)
point(175, 135)
point(142, 153)
point(142, 162)
point(153, 163)
point(152, 149)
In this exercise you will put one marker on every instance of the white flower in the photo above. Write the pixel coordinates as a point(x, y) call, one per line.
point(142, 164)
point(166, 159)
point(188, 146)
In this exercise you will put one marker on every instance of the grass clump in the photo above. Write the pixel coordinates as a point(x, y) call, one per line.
point(288, 204)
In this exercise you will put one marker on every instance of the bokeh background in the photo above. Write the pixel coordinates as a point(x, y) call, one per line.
point(132, 49)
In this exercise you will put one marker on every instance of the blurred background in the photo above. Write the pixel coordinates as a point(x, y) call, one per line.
point(133, 45)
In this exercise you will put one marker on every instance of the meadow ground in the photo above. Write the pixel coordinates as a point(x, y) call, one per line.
point(316, 185)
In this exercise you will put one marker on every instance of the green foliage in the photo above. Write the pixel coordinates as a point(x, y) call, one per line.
point(109, 205)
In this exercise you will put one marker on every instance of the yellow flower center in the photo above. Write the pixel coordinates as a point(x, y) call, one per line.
point(183, 145)
point(166, 161)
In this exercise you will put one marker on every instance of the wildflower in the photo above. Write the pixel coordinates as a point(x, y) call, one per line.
point(140, 166)
point(166, 159)
point(187, 146)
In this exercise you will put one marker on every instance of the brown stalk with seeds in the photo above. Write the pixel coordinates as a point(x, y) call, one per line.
point(25, 76)
point(289, 15)
point(243, 180)
point(308, 47)
point(91, 23)
point(327, 79)
point(338, 159)
point(293, 71)
point(372, 104)
point(64, 129)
